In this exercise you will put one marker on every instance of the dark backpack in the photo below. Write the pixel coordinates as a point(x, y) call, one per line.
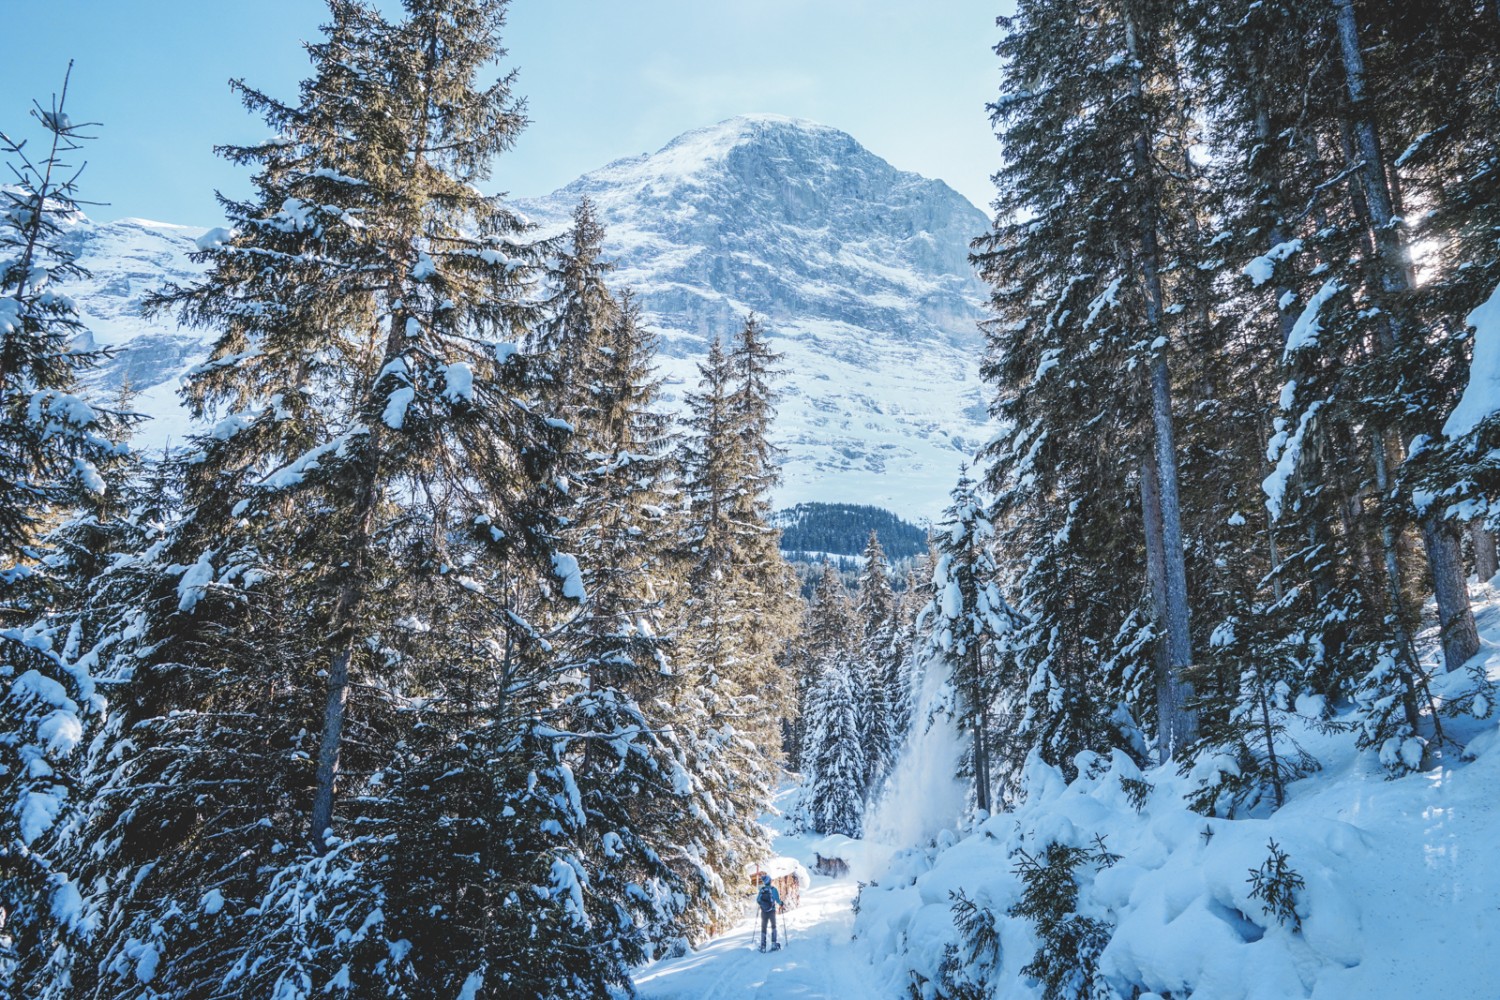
point(764, 899)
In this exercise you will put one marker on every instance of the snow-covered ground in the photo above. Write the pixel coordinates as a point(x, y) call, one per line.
point(817, 962)
point(1401, 896)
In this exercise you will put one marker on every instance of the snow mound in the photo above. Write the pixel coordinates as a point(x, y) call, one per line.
point(780, 868)
point(1389, 885)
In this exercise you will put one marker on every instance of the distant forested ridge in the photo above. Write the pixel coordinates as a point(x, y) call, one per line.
point(844, 528)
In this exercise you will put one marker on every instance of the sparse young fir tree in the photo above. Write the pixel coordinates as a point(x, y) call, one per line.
point(60, 474)
point(836, 766)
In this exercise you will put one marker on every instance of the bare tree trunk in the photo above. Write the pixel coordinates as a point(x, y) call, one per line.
point(1268, 733)
point(1406, 650)
point(1172, 695)
point(981, 762)
point(1459, 633)
point(1177, 621)
point(980, 715)
point(1486, 560)
point(1445, 554)
point(345, 615)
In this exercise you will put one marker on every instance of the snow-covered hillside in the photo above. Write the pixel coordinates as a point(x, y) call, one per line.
point(1397, 895)
point(859, 270)
point(127, 259)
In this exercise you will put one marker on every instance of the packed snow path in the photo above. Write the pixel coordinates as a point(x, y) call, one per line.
point(818, 962)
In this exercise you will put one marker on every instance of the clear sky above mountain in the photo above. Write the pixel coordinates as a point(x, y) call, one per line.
point(603, 79)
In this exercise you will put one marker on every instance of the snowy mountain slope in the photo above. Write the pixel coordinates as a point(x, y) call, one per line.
point(127, 259)
point(859, 270)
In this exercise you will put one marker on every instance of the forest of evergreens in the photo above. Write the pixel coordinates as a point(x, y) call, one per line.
point(442, 662)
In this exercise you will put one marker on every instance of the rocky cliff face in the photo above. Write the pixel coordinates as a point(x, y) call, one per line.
point(859, 271)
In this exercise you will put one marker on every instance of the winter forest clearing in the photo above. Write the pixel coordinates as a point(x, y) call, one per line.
point(441, 641)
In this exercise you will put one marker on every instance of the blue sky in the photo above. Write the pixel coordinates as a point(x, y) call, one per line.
point(602, 78)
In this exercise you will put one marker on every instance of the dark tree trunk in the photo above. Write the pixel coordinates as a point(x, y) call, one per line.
point(1459, 633)
point(1173, 695)
point(1176, 620)
point(1445, 555)
point(1486, 560)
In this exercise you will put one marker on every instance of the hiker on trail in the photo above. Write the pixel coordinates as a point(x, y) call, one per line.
point(769, 901)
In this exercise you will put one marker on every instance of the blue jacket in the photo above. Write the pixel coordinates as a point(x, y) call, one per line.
point(768, 898)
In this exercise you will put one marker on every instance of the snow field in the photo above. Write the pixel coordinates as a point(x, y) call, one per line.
point(1401, 894)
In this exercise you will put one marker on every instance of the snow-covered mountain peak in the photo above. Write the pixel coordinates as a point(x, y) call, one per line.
point(705, 149)
point(859, 270)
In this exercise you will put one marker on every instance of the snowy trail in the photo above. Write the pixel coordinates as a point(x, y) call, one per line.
point(818, 962)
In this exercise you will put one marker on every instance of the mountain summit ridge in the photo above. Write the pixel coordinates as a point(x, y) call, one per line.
point(859, 271)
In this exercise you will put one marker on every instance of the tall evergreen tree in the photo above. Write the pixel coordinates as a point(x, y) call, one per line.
point(739, 597)
point(341, 666)
point(59, 472)
point(639, 799)
point(880, 687)
point(970, 621)
point(835, 754)
point(1093, 197)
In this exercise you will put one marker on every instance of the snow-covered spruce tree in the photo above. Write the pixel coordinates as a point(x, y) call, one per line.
point(829, 633)
point(640, 800)
point(836, 768)
point(736, 605)
point(579, 311)
point(60, 471)
point(910, 646)
point(1089, 209)
point(875, 609)
point(831, 641)
point(753, 407)
point(338, 667)
point(970, 622)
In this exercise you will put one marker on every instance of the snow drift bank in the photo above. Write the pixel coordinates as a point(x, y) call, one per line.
point(1399, 892)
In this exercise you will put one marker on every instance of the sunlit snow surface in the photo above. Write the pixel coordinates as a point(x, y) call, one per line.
point(817, 962)
point(1481, 396)
point(1402, 896)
